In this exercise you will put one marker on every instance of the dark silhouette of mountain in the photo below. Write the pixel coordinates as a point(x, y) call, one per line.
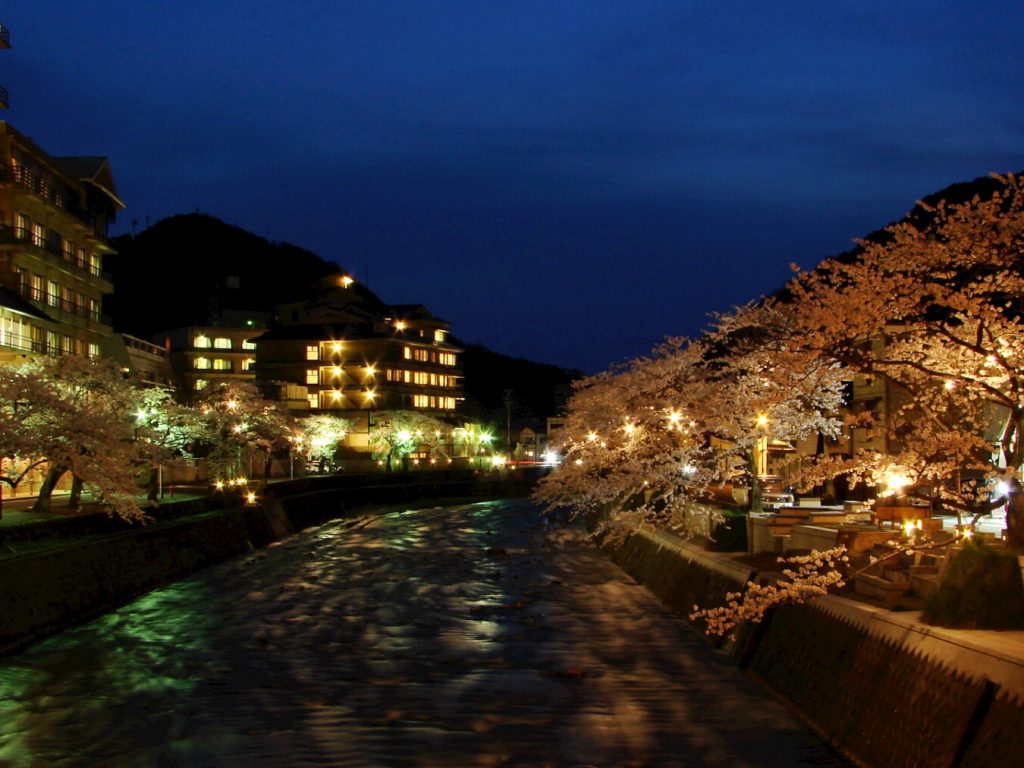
point(534, 391)
point(188, 269)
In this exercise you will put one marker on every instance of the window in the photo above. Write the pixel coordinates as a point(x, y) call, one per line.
point(220, 364)
point(447, 358)
point(94, 309)
point(201, 384)
point(69, 251)
point(314, 400)
point(36, 289)
point(419, 377)
point(438, 335)
point(248, 345)
point(407, 376)
point(448, 403)
point(247, 364)
point(39, 235)
point(52, 293)
point(52, 343)
point(201, 342)
point(94, 350)
point(420, 401)
point(407, 353)
point(312, 376)
point(201, 363)
point(67, 345)
point(67, 301)
point(221, 343)
point(94, 264)
point(312, 352)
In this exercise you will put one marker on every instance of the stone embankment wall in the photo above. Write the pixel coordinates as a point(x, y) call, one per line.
point(881, 687)
point(79, 568)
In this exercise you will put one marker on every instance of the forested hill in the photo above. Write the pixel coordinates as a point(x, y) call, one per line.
point(536, 390)
point(185, 269)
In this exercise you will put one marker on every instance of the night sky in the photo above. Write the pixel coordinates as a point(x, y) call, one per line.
point(564, 181)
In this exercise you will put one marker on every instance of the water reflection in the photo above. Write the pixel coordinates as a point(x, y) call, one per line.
point(447, 636)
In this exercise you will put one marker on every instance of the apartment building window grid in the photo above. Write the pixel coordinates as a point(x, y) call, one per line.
point(221, 343)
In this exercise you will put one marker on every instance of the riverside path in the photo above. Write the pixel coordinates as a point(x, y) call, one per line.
point(463, 635)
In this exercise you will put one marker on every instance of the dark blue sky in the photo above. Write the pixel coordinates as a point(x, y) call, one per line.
point(564, 181)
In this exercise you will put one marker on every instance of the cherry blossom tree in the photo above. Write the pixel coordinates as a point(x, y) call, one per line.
point(644, 444)
point(396, 434)
point(932, 306)
point(239, 421)
point(75, 414)
point(165, 429)
point(318, 437)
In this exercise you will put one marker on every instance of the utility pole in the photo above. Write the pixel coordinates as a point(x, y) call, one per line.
point(507, 398)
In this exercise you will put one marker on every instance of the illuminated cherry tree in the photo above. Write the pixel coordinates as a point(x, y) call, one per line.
point(397, 434)
point(75, 413)
point(932, 307)
point(317, 438)
point(644, 445)
point(240, 423)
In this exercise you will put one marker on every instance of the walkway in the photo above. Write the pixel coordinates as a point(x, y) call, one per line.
point(455, 636)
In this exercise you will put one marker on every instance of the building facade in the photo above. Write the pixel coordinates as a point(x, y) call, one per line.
point(54, 215)
point(350, 357)
point(202, 355)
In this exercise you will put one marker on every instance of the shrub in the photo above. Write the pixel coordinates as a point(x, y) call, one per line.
point(981, 589)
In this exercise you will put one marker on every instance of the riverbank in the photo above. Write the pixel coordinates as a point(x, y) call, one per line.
point(61, 572)
point(878, 685)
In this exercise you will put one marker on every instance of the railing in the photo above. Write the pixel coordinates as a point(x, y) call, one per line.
point(17, 341)
point(24, 235)
point(52, 193)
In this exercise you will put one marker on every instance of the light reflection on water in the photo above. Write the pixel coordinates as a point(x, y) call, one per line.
point(142, 675)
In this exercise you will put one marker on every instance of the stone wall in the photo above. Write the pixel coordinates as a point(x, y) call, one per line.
point(882, 688)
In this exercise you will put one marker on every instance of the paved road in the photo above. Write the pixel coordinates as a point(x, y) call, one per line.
point(455, 636)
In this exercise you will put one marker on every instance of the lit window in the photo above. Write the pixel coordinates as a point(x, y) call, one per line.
point(312, 352)
point(221, 343)
point(438, 335)
point(407, 353)
point(248, 345)
point(67, 345)
point(94, 264)
point(201, 363)
point(447, 358)
point(312, 376)
point(201, 384)
point(201, 342)
point(408, 376)
point(220, 364)
point(69, 251)
point(420, 401)
point(314, 401)
point(247, 364)
point(38, 235)
point(94, 350)
point(52, 342)
point(52, 293)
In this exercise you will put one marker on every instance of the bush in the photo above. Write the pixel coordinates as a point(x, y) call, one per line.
point(981, 589)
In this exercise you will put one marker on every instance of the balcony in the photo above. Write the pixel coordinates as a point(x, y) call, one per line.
point(23, 236)
point(53, 193)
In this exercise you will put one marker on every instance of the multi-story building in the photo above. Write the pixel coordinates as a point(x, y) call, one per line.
point(54, 214)
point(223, 351)
point(354, 357)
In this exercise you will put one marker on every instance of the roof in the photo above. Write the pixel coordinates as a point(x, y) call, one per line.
point(92, 170)
point(320, 331)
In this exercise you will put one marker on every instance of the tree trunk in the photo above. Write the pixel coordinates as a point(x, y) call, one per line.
point(755, 485)
point(53, 475)
point(76, 492)
point(152, 491)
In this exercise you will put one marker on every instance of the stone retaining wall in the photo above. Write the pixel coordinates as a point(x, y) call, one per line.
point(879, 686)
